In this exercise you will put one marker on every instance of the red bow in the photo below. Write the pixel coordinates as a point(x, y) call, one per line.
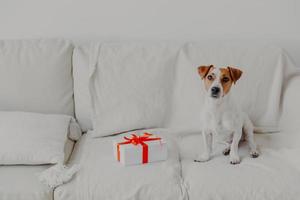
point(136, 140)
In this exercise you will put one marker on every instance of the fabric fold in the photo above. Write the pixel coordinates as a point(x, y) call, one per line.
point(58, 174)
point(74, 130)
point(61, 173)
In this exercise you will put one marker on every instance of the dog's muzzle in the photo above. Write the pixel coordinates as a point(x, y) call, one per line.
point(215, 92)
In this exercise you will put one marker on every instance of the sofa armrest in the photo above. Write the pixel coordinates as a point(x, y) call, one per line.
point(290, 118)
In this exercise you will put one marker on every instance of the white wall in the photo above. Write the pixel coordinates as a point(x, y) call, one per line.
point(153, 19)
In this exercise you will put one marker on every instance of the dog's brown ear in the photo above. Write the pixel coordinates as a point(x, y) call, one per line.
point(235, 74)
point(203, 70)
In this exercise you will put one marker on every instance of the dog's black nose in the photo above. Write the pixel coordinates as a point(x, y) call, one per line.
point(215, 90)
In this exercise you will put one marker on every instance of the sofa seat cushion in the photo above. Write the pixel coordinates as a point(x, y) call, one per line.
point(102, 177)
point(21, 183)
point(275, 174)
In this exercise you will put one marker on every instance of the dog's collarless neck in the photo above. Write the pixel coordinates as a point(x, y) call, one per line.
point(218, 102)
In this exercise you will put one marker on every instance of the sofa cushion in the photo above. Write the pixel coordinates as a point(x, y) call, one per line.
point(131, 86)
point(266, 71)
point(35, 76)
point(290, 119)
point(81, 87)
point(275, 174)
point(102, 177)
point(32, 138)
point(21, 183)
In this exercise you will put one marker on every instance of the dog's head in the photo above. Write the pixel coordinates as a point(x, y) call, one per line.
point(218, 81)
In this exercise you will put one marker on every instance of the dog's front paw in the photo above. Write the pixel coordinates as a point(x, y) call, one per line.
point(203, 158)
point(234, 159)
point(226, 151)
point(254, 154)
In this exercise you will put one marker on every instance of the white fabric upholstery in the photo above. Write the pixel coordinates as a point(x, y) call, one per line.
point(35, 76)
point(266, 70)
point(32, 138)
point(290, 119)
point(131, 86)
point(102, 177)
point(83, 108)
point(21, 183)
point(275, 174)
point(263, 66)
point(69, 146)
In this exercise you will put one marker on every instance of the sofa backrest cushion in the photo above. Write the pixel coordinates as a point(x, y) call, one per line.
point(131, 86)
point(81, 87)
point(266, 70)
point(262, 65)
point(36, 76)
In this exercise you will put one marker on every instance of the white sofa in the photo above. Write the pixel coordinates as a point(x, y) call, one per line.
point(33, 83)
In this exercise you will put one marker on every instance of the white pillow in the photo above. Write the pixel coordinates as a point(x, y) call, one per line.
point(31, 138)
point(266, 70)
point(36, 76)
point(130, 86)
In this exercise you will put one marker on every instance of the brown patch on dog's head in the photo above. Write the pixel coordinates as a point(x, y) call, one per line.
point(204, 70)
point(225, 80)
point(221, 78)
point(206, 74)
point(235, 74)
point(228, 76)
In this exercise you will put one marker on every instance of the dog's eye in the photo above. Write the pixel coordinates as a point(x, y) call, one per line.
point(209, 77)
point(225, 79)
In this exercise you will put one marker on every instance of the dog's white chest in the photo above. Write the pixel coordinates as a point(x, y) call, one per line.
point(220, 123)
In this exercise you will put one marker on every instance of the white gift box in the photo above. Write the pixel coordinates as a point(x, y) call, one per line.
point(134, 150)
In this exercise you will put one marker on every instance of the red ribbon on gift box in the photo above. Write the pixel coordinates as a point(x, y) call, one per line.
point(138, 140)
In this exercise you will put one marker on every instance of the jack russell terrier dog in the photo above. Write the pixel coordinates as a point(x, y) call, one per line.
point(221, 116)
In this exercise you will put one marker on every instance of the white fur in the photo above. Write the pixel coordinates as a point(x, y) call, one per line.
point(221, 117)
